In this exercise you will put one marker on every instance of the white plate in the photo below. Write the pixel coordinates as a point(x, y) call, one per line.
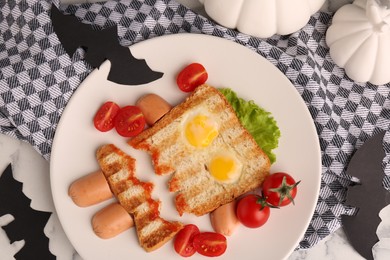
point(229, 65)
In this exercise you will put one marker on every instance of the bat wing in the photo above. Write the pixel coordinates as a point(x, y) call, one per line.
point(369, 196)
point(101, 45)
point(28, 224)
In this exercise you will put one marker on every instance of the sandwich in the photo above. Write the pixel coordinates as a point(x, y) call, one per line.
point(135, 197)
point(211, 157)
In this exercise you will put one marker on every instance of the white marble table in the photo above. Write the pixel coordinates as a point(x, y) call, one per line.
point(33, 171)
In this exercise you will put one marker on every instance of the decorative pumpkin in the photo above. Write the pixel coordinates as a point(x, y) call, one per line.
point(359, 41)
point(262, 18)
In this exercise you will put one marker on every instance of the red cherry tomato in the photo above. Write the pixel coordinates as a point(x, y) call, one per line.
point(252, 211)
point(184, 240)
point(129, 121)
point(279, 189)
point(104, 117)
point(191, 76)
point(210, 244)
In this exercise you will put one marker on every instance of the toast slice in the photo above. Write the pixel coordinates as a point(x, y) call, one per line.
point(198, 192)
point(135, 197)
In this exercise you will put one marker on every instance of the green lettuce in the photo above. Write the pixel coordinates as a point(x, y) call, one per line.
point(260, 123)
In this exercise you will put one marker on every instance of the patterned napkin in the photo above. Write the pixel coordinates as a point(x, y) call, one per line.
point(37, 79)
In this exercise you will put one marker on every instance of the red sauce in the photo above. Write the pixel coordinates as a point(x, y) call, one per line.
point(173, 184)
point(155, 212)
point(180, 204)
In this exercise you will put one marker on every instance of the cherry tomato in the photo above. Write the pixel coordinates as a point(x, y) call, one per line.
point(104, 117)
point(191, 76)
point(252, 211)
point(129, 121)
point(210, 244)
point(184, 240)
point(279, 189)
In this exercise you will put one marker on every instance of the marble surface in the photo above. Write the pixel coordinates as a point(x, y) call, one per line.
point(33, 171)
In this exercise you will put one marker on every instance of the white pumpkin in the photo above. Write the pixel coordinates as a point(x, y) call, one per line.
point(262, 18)
point(359, 41)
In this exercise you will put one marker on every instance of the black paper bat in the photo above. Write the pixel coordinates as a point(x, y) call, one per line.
point(102, 45)
point(28, 224)
point(369, 196)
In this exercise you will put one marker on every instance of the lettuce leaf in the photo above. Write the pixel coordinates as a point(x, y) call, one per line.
point(260, 123)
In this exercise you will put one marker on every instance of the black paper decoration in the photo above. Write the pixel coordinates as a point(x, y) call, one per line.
point(369, 196)
point(102, 45)
point(28, 223)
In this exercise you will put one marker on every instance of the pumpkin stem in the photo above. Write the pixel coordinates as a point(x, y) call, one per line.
point(374, 14)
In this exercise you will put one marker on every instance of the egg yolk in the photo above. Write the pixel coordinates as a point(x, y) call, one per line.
point(201, 131)
point(223, 168)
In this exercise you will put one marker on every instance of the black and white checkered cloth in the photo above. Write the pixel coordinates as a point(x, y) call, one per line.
point(37, 79)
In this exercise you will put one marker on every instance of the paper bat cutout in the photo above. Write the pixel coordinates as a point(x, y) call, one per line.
point(101, 46)
point(369, 196)
point(28, 223)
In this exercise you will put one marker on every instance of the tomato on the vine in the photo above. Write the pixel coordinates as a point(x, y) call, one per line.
point(129, 121)
point(191, 76)
point(210, 243)
point(280, 189)
point(252, 211)
point(104, 117)
point(183, 244)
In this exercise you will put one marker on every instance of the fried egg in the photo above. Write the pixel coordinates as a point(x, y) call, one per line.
point(200, 128)
point(225, 167)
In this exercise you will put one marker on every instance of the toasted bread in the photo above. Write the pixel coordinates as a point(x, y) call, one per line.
point(197, 191)
point(135, 197)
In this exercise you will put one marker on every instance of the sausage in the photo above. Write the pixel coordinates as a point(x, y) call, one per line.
point(153, 107)
point(224, 219)
point(90, 189)
point(111, 221)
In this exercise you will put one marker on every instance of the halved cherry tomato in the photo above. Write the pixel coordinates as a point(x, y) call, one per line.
point(104, 117)
point(129, 121)
point(191, 76)
point(184, 240)
point(210, 244)
point(280, 189)
point(252, 211)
